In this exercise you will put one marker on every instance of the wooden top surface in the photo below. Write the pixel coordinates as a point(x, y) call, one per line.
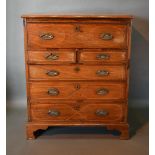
point(78, 15)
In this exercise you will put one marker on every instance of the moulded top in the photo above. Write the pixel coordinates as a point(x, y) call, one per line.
point(79, 15)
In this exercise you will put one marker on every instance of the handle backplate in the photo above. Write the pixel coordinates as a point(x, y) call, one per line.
point(53, 91)
point(102, 73)
point(102, 91)
point(53, 73)
point(53, 112)
point(106, 36)
point(47, 36)
point(101, 112)
point(52, 57)
point(102, 56)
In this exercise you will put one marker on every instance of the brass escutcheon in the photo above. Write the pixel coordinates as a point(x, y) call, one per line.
point(77, 86)
point(77, 28)
point(76, 106)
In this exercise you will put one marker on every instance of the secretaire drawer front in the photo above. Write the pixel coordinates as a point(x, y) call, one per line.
point(42, 36)
point(86, 112)
point(61, 56)
point(77, 90)
point(99, 56)
point(81, 72)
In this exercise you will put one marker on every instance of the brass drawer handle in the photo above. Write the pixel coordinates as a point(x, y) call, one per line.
point(101, 113)
point(102, 73)
point(53, 91)
point(53, 113)
point(52, 73)
point(106, 36)
point(102, 91)
point(102, 56)
point(52, 57)
point(47, 36)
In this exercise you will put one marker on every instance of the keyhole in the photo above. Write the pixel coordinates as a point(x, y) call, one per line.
point(77, 107)
point(77, 86)
point(77, 28)
point(77, 69)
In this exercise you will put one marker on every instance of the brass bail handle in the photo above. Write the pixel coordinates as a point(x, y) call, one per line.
point(101, 112)
point(52, 56)
point(47, 36)
point(53, 73)
point(53, 113)
point(53, 92)
point(102, 91)
point(106, 36)
point(102, 56)
point(102, 73)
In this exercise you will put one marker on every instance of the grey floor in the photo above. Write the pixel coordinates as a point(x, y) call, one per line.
point(76, 141)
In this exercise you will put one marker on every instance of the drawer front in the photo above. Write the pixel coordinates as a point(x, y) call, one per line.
point(86, 112)
point(77, 90)
point(99, 56)
point(61, 56)
point(80, 72)
point(42, 36)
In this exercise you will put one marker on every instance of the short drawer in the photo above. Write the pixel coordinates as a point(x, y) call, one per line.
point(99, 56)
point(86, 112)
point(43, 36)
point(55, 56)
point(77, 72)
point(77, 90)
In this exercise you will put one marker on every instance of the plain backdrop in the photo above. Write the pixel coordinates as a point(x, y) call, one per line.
point(139, 80)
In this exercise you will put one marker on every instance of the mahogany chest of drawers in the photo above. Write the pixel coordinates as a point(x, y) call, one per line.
point(77, 71)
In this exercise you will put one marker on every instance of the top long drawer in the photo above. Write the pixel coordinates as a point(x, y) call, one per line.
point(43, 36)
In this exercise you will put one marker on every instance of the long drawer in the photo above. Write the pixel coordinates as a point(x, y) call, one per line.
point(77, 72)
point(43, 36)
point(87, 112)
point(77, 90)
